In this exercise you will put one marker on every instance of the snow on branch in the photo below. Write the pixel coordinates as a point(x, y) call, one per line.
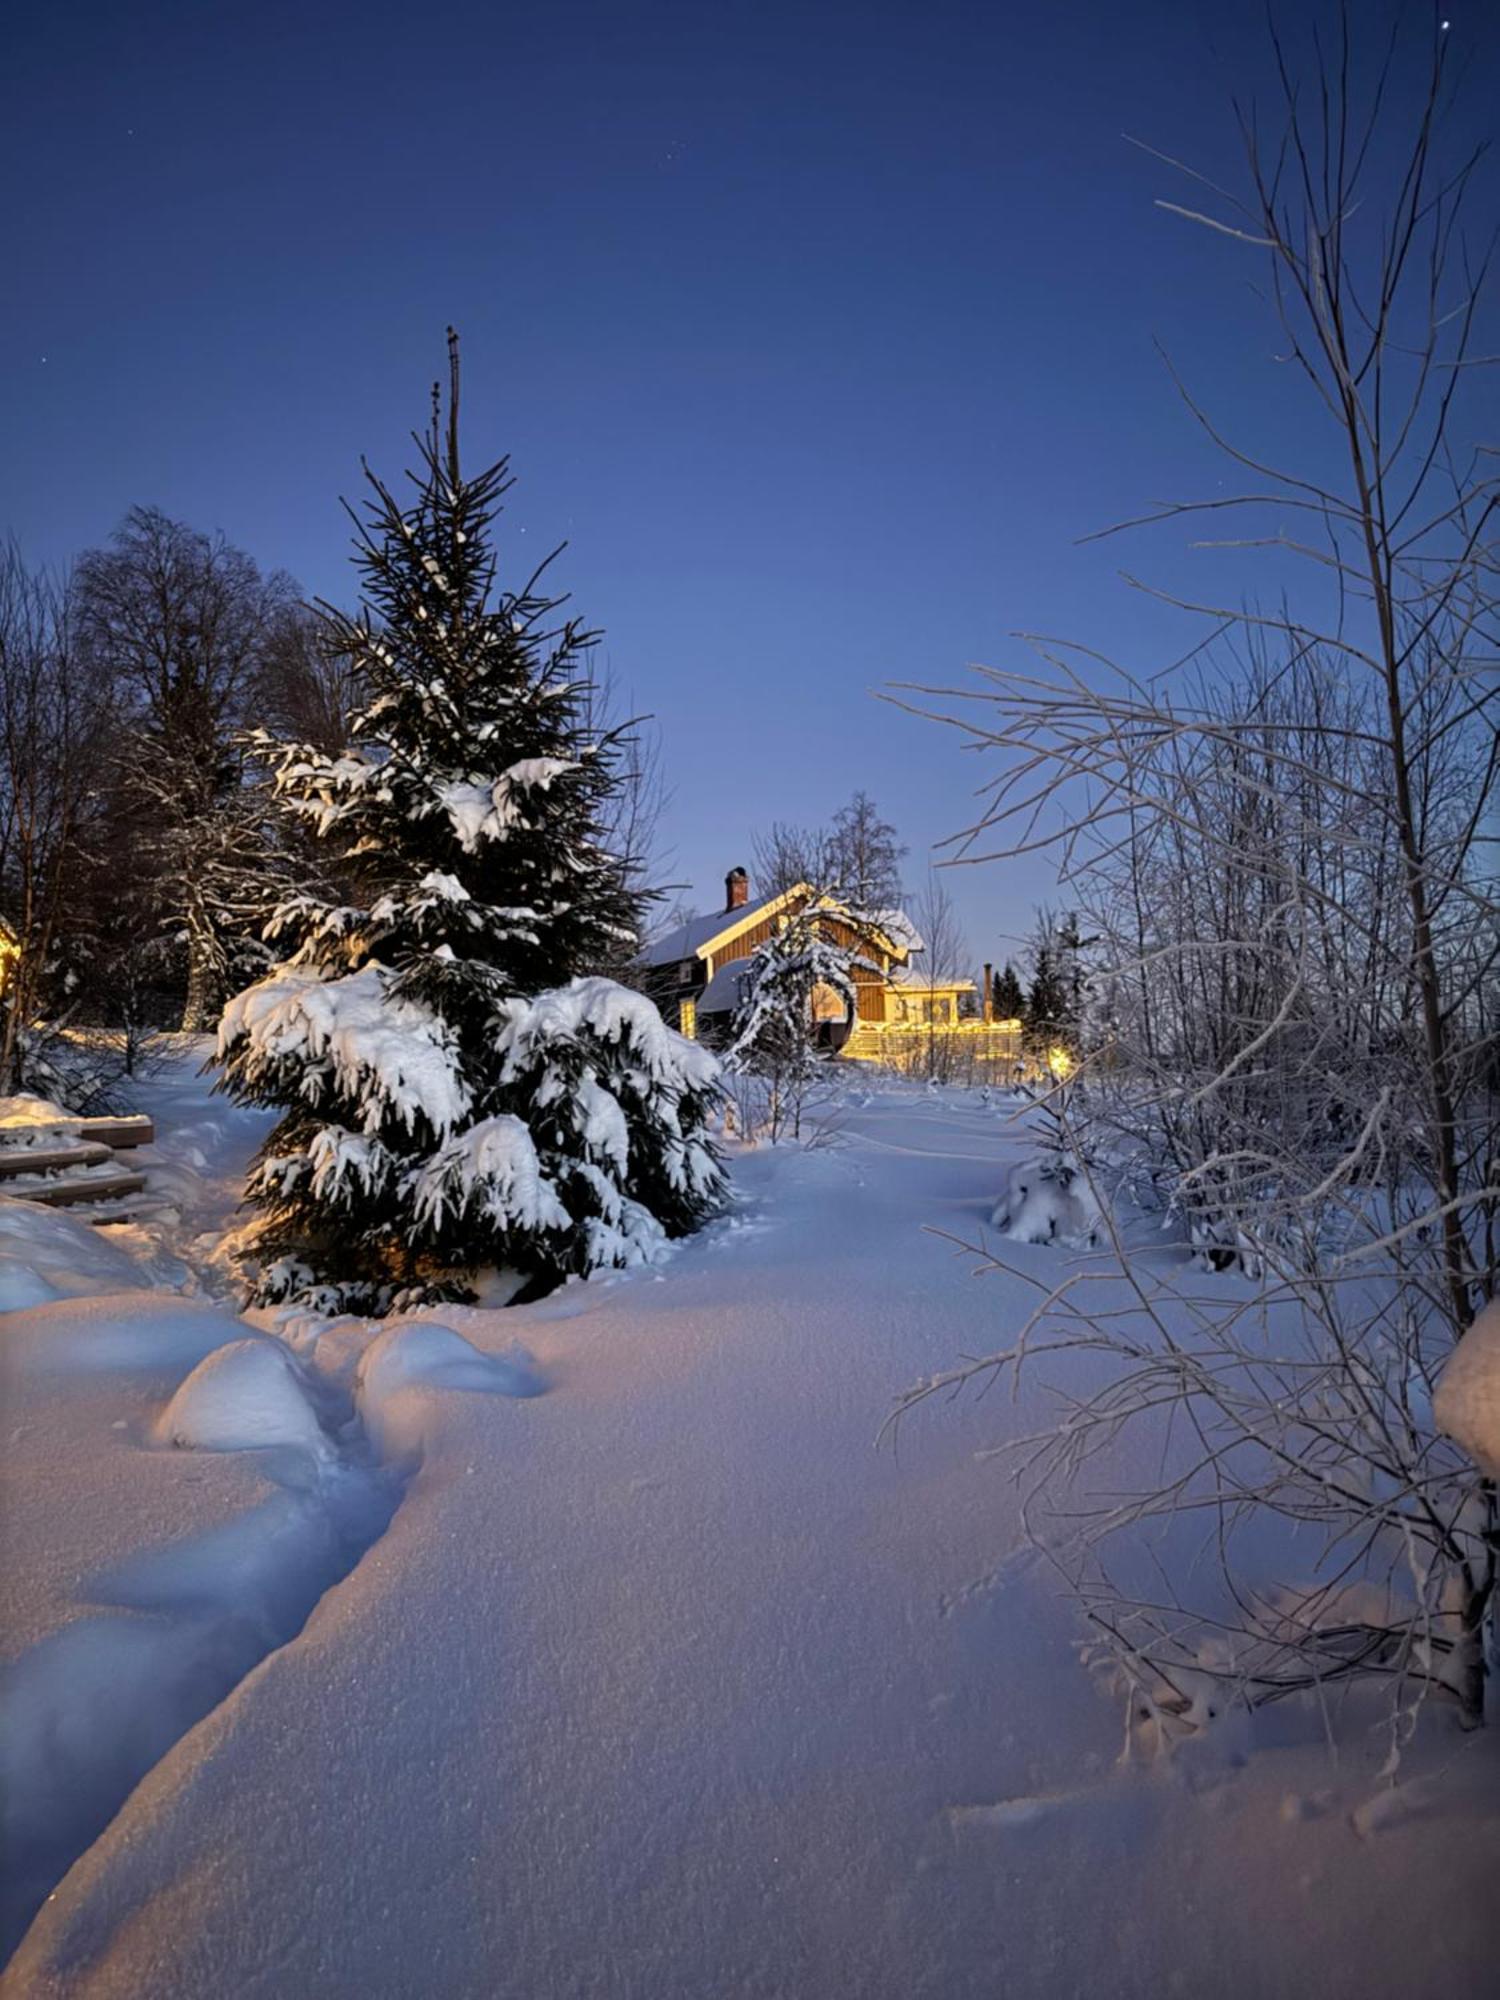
point(389, 1061)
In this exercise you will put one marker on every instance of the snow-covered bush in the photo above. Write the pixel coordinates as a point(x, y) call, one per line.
point(458, 1092)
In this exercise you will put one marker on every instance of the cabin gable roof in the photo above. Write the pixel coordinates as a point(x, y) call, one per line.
point(697, 937)
point(704, 936)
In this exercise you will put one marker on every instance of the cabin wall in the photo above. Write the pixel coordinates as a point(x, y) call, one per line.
point(746, 944)
point(870, 996)
point(844, 935)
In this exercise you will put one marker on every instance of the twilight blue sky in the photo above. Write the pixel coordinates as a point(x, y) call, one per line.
point(819, 331)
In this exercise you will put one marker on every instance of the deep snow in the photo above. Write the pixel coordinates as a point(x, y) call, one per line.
point(662, 1680)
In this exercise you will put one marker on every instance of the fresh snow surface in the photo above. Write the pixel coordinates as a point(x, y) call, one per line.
point(141, 1583)
point(1467, 1403)
point(662, 1680)
point(195, 1172)
point(47, 1253)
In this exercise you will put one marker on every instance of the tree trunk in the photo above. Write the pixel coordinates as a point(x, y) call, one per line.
point(1474, 1617)
point(200, 1014)
point(10, 1047)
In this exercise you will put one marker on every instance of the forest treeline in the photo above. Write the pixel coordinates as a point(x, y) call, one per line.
point(137, 858)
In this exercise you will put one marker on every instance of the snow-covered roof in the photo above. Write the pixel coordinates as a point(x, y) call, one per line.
point(722, 993)
point(899, 928)
point(920, 977)
point(684, 939)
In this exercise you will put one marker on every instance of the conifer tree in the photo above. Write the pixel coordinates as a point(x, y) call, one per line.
point(1071, 946)
point(1055, 1003)
point(1047, 1002)
point(1008, 996)
point(458, 1091)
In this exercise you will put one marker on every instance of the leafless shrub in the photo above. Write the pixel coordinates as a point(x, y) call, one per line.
point(1282, 846)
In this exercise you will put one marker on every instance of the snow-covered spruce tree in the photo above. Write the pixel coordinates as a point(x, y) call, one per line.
point(459, 1092)
point(774, 1027)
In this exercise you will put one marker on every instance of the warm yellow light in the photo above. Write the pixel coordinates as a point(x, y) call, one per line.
point(1061, 1064)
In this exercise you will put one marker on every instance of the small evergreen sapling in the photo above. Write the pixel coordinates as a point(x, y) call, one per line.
point(1050, 1197)
point(458, 1090)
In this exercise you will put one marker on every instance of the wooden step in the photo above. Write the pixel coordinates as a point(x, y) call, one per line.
point(133, 1208)
point(50, 1159)
point(135, 1129)
point(65, 1193)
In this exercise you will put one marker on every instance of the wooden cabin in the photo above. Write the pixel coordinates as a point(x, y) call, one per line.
point(696, 972)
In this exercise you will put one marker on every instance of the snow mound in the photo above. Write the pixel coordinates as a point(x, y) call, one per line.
point(403, 1366)
point(21, 1287)
point(46, 1254)
point(244, 1397)
point(120, 1331)
point(23, 1114)
point(1467, 1403)
point(430, 1355)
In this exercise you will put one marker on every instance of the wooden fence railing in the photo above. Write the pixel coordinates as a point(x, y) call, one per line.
point(959, 1051)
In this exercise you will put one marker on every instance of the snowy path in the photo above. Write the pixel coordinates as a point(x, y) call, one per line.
point(666, 1682)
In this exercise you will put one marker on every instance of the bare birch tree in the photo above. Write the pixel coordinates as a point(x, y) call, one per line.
point(857, 856)
point(1286, 850)
point(632, 823)
point(942, 958)
point(785, 854)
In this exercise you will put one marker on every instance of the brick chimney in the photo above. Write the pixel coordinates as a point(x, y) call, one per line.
point(736, 889)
